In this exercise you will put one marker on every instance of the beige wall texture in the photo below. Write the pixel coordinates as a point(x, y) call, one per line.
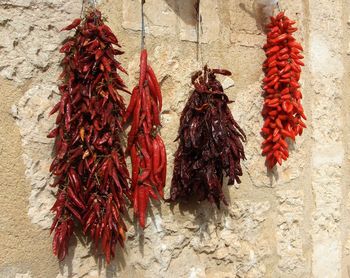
point(292, 222)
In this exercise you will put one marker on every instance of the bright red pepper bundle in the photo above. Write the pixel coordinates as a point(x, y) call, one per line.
point(210, 143)
point(283, 111)
point(89, 164)
point(146, 147)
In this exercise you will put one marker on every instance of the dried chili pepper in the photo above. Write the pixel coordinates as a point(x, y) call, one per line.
point(283, 112)
point(145, 145)
point(210, 143)
point(89, 166)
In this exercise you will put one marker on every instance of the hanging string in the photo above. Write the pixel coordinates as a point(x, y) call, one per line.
point(278, 6)
point(82, 8)
point(142, 25)
point(92, 3)
point(199, 28)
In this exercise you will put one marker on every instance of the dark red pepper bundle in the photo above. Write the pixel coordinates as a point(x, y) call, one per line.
point(283, 111)
point(89, 164)
point(146, 147)
point(210, 143)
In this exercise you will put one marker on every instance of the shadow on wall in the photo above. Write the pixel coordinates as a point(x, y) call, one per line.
point(256, 12)
point(185, 10)
point(67, 265)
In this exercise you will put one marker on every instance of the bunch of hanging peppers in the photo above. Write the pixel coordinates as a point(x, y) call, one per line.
point(145, 146)
point(210, 143)
point(89, 164)
point(283, 112)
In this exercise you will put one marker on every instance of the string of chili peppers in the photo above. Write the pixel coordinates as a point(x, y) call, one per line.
point(210, 143)
point(89, 165)
point(283, 112)
point(210, 139)
point(145, 146)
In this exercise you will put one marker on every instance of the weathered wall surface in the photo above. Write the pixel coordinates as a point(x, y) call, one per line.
point(292, 222)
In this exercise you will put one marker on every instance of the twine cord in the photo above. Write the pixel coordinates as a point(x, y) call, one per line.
point(199, 33)
point(142, 25)
point(91, 3)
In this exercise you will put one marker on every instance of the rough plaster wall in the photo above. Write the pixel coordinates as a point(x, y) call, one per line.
point(292, 222)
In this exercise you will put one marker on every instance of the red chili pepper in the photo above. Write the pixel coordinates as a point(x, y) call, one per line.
point(53, 133)
point(152, 194)
point(121, 167)
point(133, 100)
point(55, 108)
point(106, 64)
point(142, 205)
point(156, 156)
point(148, 141)
point(74, 198)
point(152, 89)
point(74, 212)
point(155, 112)
point(221, 71)
point(89, 221)
point(148, 107)
point(146, 171)
point(74, 24)
point(145, 120)
point(143, 68)
point(89, 162)
point(156, 86)
point(210, 143)
point(162, 155)
point(281, 111)
point(135, 167)
point(98, 54)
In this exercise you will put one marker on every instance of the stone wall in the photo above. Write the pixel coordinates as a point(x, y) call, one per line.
point(292, 222)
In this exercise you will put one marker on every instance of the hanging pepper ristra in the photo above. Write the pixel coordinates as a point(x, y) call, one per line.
point(210, 143)
point(283, 112)
point(89, 165)
point(145, 146)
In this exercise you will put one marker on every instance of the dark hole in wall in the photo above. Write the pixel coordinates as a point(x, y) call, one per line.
point(185, 9)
